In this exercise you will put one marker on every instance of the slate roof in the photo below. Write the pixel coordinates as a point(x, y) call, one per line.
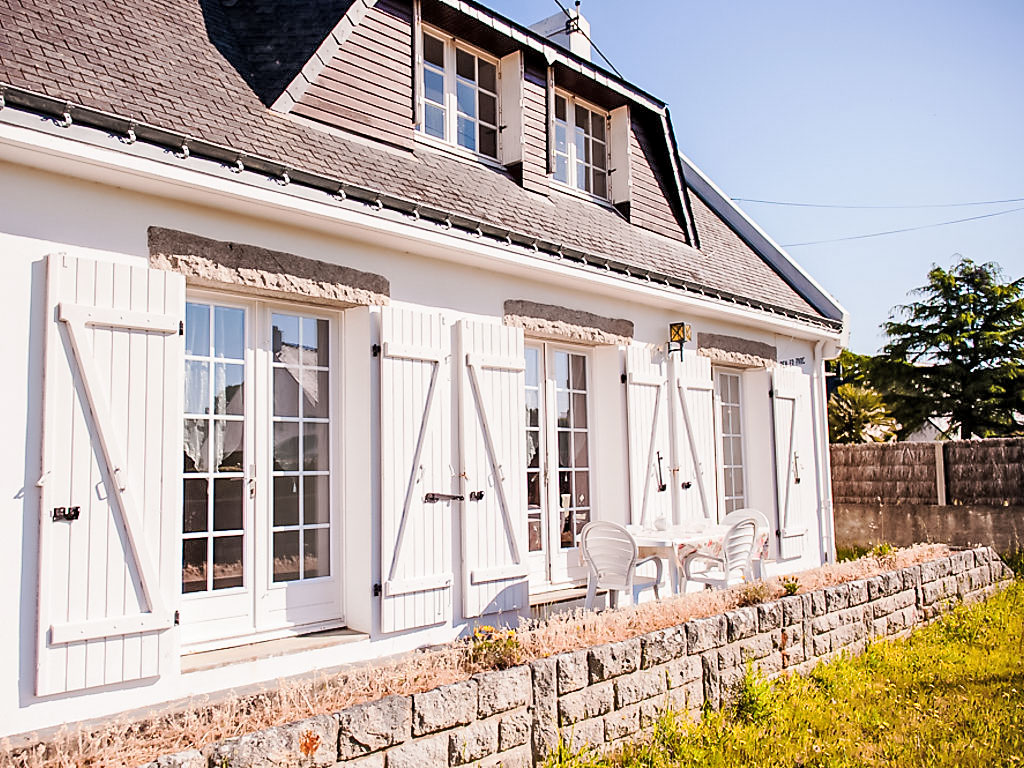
point(200, 68)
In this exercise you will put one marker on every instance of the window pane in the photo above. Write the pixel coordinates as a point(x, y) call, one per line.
point(315, 446)
point(559, 108)
point(561, 169)
point(582, 489)
point(316, 553)
point(197, 386)
point(286, 446)
point(228, 446)
point(582, 119)
point(433, 121)
point(315, 342)
point(488, 108)
point(467, 133)
point(597, 126)
point(564, 489)
point(229, 332)
point(533, 489)
point(227, 562)
point(227, 503)
point(196, 504)
point(582, 180)
point(535, 531)
point(229, 389)
point(465, 97)
point(314, 394)
point(563, 409)
point(560, 143)
point(562, 370)
point(533, 449)
point(488, 141)
point(433, 86)
point(599, 152)
point(316, 499)
point(488, 75)
point(286, 556)
point(564, 458)
point(532, 366)
point(600, 184)
point(532, 408)
point(193, 565)
point(285, 335)
point(286, 501)
point(433, 50)
point(566, 538)
point(196, 445)
point(465, 64)
point(579, 372)
point(579, 449)
point(197, 329)
point(579, 410)
point(286, 391)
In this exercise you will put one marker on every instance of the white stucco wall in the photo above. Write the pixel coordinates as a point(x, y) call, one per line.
point(43, 213)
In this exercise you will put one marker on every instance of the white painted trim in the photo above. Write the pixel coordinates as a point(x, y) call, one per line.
point(484, 575)
point(404, 352)
point(102, 628)
point(394, 587)
point(85, 153)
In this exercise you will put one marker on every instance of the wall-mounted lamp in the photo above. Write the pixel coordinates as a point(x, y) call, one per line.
point(678, 334)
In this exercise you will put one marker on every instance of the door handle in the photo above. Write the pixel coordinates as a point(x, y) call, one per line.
point(433, 498)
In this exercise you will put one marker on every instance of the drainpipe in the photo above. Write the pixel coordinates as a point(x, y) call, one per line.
point(824, 473)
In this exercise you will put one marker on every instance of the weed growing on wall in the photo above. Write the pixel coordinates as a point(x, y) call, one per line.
point(753, 593)
point(491, 648)
point(790, 586)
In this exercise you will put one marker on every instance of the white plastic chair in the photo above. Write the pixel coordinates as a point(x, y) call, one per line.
point(610, 553)
point(734, 564)
point(763, 537)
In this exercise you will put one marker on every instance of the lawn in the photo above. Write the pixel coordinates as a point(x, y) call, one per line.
point(952, 694)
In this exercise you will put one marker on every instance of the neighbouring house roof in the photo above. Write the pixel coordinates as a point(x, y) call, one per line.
point(200, 69)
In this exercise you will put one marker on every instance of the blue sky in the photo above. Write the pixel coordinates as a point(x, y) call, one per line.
point(911, 102)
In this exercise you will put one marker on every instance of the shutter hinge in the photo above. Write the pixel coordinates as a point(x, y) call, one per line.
point(181, 327)
point(623, 378)
point(377, 590)
point(375, 350)
point(771, 393)
point(177, 618)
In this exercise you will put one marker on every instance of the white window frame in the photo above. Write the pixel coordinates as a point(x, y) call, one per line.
point(571, 179)
point(450, 105)
point(253, 610)
point(719, 373)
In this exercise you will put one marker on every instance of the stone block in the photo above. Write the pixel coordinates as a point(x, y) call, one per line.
point(572, 671)
point(190, 758)
point(651, 710)
point(586, 734)
point(818, 605)
point(911, 576)
point(705, 634)
point(791, 646)
point(545, 685)
point(629, 689)
point(825, 623)
point(792, 609)
point(729, 656)
point(514, 730)
point(683, 671)
point(821, 645)
point(730, 680)
point(311, 742)
point(473, 742)
point(419, 753)
point(879, 627)
point(662, 646)
point(756, 647)
point(376, 760)
point(858, 591)
point(769, 616)
point(543, 737)
point(876, 588)
point(613, 659)
point(741, 623)
point(591, 702)
point(520, 757)
point(837, 598)
point(375, 725)
point(693, 693)
point(444, 707)
point(502, 690)
point(622, 723)
point(769, 665)
point(712, 680)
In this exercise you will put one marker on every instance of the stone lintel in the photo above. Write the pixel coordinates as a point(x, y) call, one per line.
point(733, 350)
point(256, 271)
point(549, 321)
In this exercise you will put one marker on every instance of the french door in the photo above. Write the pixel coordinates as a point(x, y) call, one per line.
point(260, 534)
point(732, 471)
point(558, 474)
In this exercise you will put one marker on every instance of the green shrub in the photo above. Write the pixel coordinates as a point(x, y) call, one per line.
point(491, 648)
point(752, 593)
point(755, 697)
point(791, 586)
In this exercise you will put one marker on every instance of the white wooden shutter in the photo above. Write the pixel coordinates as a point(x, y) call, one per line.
point(510, 108)
point(694, 397)
point(416, 460)
point(793, 442)
point(493, 450)
point(648, 434)
point(111, 453)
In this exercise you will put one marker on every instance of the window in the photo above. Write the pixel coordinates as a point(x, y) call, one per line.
point(460, 95)
point(557, 458)
point(581, 148)
point(258, 529)
point(728, 391)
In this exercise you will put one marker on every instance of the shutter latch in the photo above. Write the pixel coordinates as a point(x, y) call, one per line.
point(376, 590)
point(181, 327)
point(66, 513)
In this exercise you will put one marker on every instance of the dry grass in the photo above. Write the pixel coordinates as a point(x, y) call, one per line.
point(131, 743)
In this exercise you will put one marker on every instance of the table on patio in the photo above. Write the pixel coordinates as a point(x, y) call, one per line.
point(702, 536)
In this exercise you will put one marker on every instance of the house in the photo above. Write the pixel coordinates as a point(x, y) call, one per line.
point(397, 277)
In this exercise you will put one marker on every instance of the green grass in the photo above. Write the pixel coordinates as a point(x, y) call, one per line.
point(952, 694)
point(857, 551)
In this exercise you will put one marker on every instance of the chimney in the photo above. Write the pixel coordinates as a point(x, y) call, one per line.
point(570, 32)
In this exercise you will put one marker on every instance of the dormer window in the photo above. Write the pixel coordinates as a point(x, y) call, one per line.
point(460, 94)
point(581, 145)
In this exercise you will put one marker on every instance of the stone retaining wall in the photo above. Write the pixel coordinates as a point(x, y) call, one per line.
point(609, 693)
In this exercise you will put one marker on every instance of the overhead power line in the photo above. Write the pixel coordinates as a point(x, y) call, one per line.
point(904, 229)
point(878, 207)
point(593, 45)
